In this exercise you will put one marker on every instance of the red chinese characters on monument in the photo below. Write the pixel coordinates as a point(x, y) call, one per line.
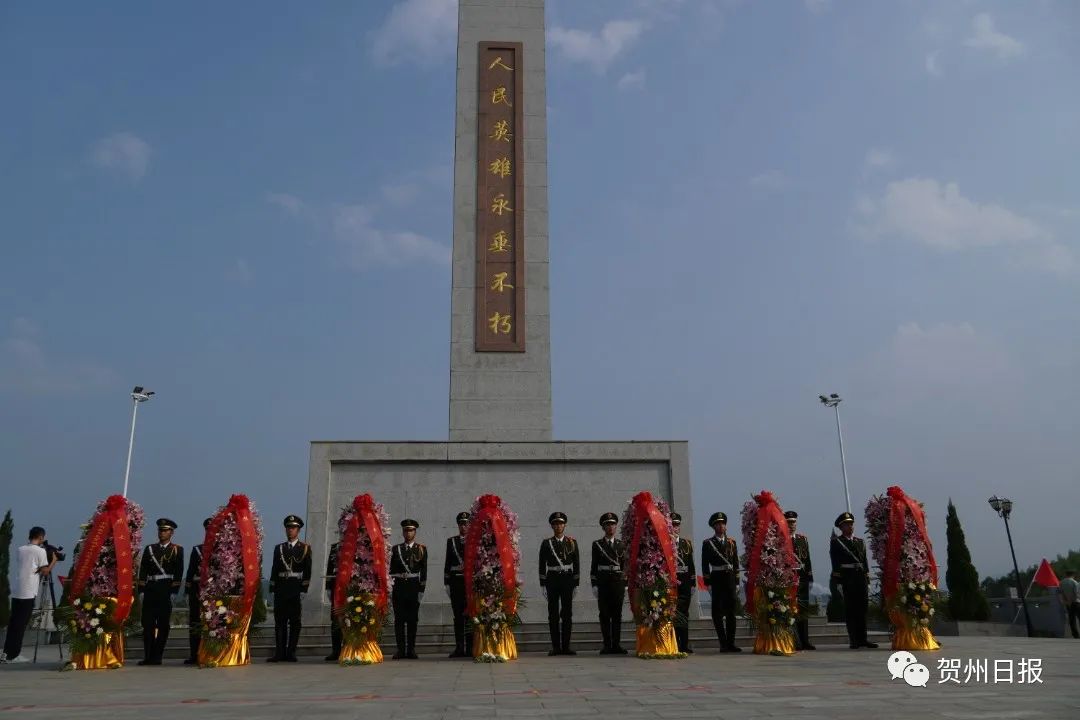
point(500, 200)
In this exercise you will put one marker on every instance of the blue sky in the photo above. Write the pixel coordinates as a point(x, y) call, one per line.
point(751, 203)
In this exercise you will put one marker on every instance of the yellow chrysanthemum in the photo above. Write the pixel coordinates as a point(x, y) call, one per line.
point(88, 605)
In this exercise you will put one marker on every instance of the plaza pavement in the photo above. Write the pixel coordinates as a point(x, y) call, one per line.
point(830, 683)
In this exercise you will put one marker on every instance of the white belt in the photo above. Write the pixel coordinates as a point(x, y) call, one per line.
point(557, 568)
point(608, 567)
point(455, 567)
point(160, 577)
point(406, 575)
point(290, 574)
point(851, 566)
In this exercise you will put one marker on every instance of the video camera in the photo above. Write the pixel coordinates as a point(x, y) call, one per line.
point(55, 551)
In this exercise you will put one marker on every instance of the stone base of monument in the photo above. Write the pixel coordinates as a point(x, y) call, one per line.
point(431, 482)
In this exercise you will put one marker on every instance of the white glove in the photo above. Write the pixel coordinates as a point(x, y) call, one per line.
point(573, 595)
point(544, 591)
point(447, 589)
point(595, 592)
point(420, 597)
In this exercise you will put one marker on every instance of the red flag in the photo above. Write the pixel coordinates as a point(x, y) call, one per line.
point(1045, 576)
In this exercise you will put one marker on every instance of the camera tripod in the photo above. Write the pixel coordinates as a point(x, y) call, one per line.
point(46, 603)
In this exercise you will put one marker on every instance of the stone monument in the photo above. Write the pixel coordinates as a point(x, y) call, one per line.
point(500, 438)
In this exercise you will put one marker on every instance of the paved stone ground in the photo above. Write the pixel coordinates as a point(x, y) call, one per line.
point(828, 683)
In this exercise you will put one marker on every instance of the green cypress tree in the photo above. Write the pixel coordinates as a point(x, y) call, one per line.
point(7, 529)
point(966, 599)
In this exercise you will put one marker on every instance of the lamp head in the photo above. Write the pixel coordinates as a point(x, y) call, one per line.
point(995, 503)
point(141, 394)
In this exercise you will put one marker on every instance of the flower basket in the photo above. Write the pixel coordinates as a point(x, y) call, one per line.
point(651, 578)
point(98, 596)
point(362, 584)
point(492, 588)
point(229, 580)
point(901, 546)
point(772, 575)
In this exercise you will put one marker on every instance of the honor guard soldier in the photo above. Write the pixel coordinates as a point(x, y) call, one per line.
point(290, 577)
point(408, 567)
point(335, 623)
point(609, 584)
point(720, 568)
point(454, 582)
point(160, 574)
point(684, 566)
point(849, 566)
point(801, 546)
point(560, 574)
point(191, 584)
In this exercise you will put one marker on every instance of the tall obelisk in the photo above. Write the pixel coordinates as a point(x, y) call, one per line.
point(500, 361)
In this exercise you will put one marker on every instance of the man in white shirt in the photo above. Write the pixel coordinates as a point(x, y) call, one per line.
point(32, 563)
point(1070, 598)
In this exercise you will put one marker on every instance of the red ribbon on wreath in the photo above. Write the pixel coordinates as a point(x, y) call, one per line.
point(490, 514)
point(644, 512)
point(112, 521)
point(769, 513)
point(364, 507)
point(240, 507)
point(899, 505)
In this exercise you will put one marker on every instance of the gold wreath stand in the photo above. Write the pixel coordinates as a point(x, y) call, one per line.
point(108, 655)
point(907, 638)
point(236, 651)
point(658, 641)
point(498, 641)
point(771, 639)
point(365, 652)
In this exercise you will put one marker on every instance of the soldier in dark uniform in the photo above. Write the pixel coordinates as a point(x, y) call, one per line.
point(720, 568)
point(684, 565)
point(849, 566)
point(609, 584)
point(290, 577)
point(191, 584)
point(560, 574)
point(454, 582)
point(801, 546)
point(408, 567)
point(160, 573)
point(335, 623)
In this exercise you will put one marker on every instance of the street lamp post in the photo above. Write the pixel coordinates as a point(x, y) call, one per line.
point(1003, 507)
point(138, 395)
point(833, 401)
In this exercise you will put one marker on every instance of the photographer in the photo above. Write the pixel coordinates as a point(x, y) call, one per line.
point(33, 563)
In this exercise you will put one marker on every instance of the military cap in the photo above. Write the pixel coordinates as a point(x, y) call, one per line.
point(409, 523)
point(294, 521)
point(843, 518)
point(206, 522)
point(676, 518)
point(717, 517)
point(463, 517)
point(163, 523)
point(556, 517)
point(791, 515)
point(608, 517)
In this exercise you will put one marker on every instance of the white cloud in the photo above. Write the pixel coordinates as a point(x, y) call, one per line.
point(878, 159)
point(26, 368)
point(401, 194)
point(423, 31)
point(243, 273)
point(366, 245)
point(817, 6)
point(770, 180)
point(124, 153)
point(936, 215)
point(932, 64)
point(632, 81)
point(289, 203)
point(986, 37)
point(596, 49)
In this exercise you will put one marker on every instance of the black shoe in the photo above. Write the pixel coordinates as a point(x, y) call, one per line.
point(144, 662)
point(872, 646)
point(190, 661)
point(331, 658)
point(412, 656)
point(291, 658)
point(854, 646)
point(689, 650)
point(619, 650)
point(734, 648)
point(273, 658)
point(398, 656)
point(808, 646)
point(553, 652)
